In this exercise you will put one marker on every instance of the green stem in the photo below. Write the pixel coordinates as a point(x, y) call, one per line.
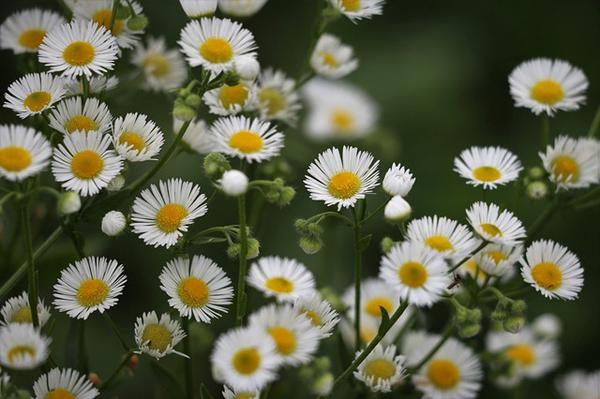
point(542, 219)
point(81, 352)
point(116, 372)
point(545, 130)
point(240, 307)
point(85, 84)
point(7, 197)
point(446, 334)
point(323, 215)
point(376, 211)
point(357, 278)
point(32, 282)
point(466, 258)
point(595, 124)
point(115, 329)
point(189, 366)
point(113, 15)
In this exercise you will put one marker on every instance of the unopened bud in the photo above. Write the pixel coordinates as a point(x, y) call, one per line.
point(116, 183)
point(386, 244)
point(246, 67)
point(69, 202)
point(95, 379)
point(122, 12)
point(323, 385)
point(514, 324)
point(233, 250)
point(193, 100)
point(397, 210)
point(547, 326)
point(137, 22)
point(113, 223)
point(133, 361)
point(234, 183)
point(469, 330)
point(253, 248)
point(537, 190)
point(215, 164)
point(310, 245)
point(184, 112)
point(286, 196)
point(536, 173)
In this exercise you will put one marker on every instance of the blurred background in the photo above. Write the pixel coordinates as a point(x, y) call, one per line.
point(438, 71)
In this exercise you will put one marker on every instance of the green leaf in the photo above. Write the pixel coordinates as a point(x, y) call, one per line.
point(208, 240)
point(385, 321)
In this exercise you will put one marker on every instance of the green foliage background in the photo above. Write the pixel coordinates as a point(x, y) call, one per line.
point(438, 70)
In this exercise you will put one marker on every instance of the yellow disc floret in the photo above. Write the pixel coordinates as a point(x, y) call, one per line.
point(491, 229)
point(87, 164)
point(374, 304)
point(547, 92)
point(103, 18)
point(37, 101)
point(284, 338)
point(280, 285)
point(32, 38)
point(193, 292)
point(59, 393)
point(380, 369)
point(443, 374)
point(132, 140)
point(79, 53)
point(233, 95)
point(344, 185)
point(487, 173)
point(523, 354)
point(547, 275)
point(81, 123)
point(22, 315)
point(439, 243)
point(92, 292)
point(246, 141)
point(216, 50)
point(273, 100)
point(413, 274)
point(14, 159)
point(170, 216)
point(157, 337)
point(157, 64)
point(565, 169)
point(246, 361)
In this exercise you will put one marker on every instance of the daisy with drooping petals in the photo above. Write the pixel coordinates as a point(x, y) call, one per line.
point(22, 347)
point(229, 100)
point(398, 180)
point(250, 139)
point(78, 115)
point(65, 383)
point(156, 336)
point(552, 270)
point(215, 43)
point(197, 136)
point(283, 278)
point(164, 68)
point(579, 384)
point(97, 85)
point(228, 393)
point(487, 166)
point(88, 285)
point(341, 179)
point(24, 31)
point(135, 138)
point(295, 339)
point(331, 58)
point(276, 97)
point(196, 287)
point(241, 8)
point(18, 310)
point(572, 163)
point(79, 48)
point(246, 359)
point(320, 313)
point(382, 369)
point(495, 226)
point(24, 152)
point(199, 8)
point(84, 163)
point(161, 214)
point(419, 274)
point(545, 85)
point(356, 10)
point(33, 94)
point(498, 260)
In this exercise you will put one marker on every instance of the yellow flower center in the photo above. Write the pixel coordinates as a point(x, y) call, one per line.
point(380, 369)
point(497, 256)
point(216, 50)
point(22, 315)
point(20, 351)
point(87, 164)
point(169, 217)
point(14, 159)
point(246, 141)
point(157, 64)
point(471, 266)
point(157, 337)
point(342, 120)
point(373, 305)
point(273, 100)
point(439, 243)
point(351, 5)
point(444, 374)
point(79, 53)
point(60, 393)
point(132, 139)
point(491, 229)
point(245, 395)
point(246, 361)
point(193, 292)
point(81, 123)
point(523, 354)
point(32, 38)
point(329, 59)
point(565, 169)
point(343, 185)
point(547, 92)
point(367, 334)
point(547, 275)
point(37, 100)
point(413, 274)
point(284, 338)
point(280, 284)
point(487, 173)
point(92, 292)
point(315, 319)
point(233, 95)
point(103, 17)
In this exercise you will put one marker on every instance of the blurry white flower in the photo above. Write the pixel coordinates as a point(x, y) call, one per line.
point(398, 180)
point(572, 163)
point(547, 326)
point(164, 68)
point(198, 8)
point(69, 202)
point(234, 183)
point(331, 58)
point(241, 8)
point(24, 31)
point(247, 67)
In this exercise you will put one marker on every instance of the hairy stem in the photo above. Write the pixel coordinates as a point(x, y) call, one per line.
point(32, 282)
point(357, 277)
point(189, 365)
point(445, 335)
point(595, 124)
point(240, 307)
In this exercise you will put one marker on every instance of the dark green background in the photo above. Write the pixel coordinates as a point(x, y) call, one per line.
point(439, 71)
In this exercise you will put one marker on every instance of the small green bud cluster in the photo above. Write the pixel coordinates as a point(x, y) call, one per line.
point(535, 183)
point(468, 321)
point(233, 251)
point(510, 313)
point(386, 244)
point(215, 164)
point(310, 236)
point(278, 193)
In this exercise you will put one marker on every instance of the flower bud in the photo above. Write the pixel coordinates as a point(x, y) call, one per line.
point(323, 385)
point(310, 245)
point(184, 112)
point(198, 8)
point(469, 330)
point(386, 244)
point(536, 173)
point(246, 67)
point(137, 22)
point(513, 324)
point(397, 210)
point(286, 196)
point(233, 250)
point(69, 202)
point(133, 361)
point(322, 363)
point(116, 183)
point(95, 379)
point(113, 223)
point(234, 183)
point(193, 100)
point(215, 164)
point(253, 248)
point(398, 180)
point(518, 307)
point(537, 190)
point(547, 326)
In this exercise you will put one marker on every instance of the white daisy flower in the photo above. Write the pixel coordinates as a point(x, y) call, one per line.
point(283, 278)
point(545, 85)
point(487, 166)
point(415, 344)
point(79, 48)
point(331, 58)
point(276, 97)
point(156, 336)
point(552, 270)
point(320, 313)
point(24, 31)
point(17, 310)
point(88, 285)
point(164, 68)
point(419, 274)
point(241, 8)
point(161, 214)
point(22, 347)
point(495, 226)
point(197, 136)
point(454, 371)
point(228, 393)
point(579, 384)
point(196, 287)
point(246, 359)
point(198, 8)
point(100, 12)
point(97, 85)
point(33, 94)
point(572, 163)
point(382, 369)
point(113, 223)
point(498, 260)
point(531, 358)
point(24, 152)
point(136, 138)
point(229, 100)
point(547, 326)
point(338, 110)
point(65, 383)
point(356, 10)
point(78, 115)
point(84, 163)
point(215, 43)
point(342, 179)
point(250, 139)
point(398, 180)
point(374, 294)
point(295, 339)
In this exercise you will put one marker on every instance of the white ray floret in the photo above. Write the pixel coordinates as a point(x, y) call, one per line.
point(331, 58)
point(579, 384)
point(398, 180)
point(493, 225)
point(487, 166)
point(76, 114)
point(382, 369)
point(164, 68)
point(283, 278)
point(34, 93)
point(24, 31)
point(24, 152)
point(136, 138)
point(18, 310)
point(356, 10)
point(97, 85)
point(572, 163)
point(320, 313)
point(157, 337)
point(22, 347)
point(64, 383)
